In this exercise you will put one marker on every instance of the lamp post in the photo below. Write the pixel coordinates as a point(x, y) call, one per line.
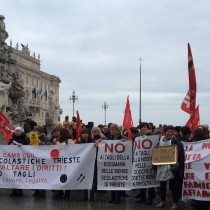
point(140, 92)
point(105, 107)
point(74, 97)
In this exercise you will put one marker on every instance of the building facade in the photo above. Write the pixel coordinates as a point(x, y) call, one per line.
point(41, 89)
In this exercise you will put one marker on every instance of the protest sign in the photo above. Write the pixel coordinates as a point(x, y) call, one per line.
point(164, 155)
point(47, 167)
point(142, 176)
point(196, 184)
point(114, 164)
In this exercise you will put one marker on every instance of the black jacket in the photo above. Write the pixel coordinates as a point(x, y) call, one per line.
point(22, 139)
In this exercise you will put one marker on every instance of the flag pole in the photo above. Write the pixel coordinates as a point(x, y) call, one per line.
point(140, 92)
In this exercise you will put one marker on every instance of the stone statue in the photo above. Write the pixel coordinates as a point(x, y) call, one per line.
point(52, 104)
point(12, 91)
point(4, 89)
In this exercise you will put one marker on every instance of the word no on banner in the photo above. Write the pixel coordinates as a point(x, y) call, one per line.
point(114, 165)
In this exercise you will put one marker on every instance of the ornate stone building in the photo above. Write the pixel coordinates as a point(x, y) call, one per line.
point(41, 89)
point(26, 91)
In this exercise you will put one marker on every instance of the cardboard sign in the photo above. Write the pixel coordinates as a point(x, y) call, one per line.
point(164, 155)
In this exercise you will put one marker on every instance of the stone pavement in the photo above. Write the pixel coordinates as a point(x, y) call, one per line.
point(27, 201)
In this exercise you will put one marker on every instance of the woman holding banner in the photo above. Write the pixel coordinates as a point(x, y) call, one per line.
point(86, 138)
point(97, 136)
point(167, 173)
point(145, 131)
point(198, 135)
point(19, 138)
point(115, 135)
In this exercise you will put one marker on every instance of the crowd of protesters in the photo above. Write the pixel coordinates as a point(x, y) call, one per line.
point(65, 133)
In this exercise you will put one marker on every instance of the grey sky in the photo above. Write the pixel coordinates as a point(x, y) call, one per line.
point(94, 47)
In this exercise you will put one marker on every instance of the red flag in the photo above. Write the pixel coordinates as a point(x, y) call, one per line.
point(193, 123)
point(192, 83)
point(186, 103)
point(127, 121)
point(79, 128)
point(4, 127)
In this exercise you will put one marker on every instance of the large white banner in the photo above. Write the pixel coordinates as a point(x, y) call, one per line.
point(196, 183)
point(114, 164)
point(47, 167)
point(142, 176)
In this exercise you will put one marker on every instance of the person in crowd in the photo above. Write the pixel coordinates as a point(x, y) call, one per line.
point(101, 127)
point(115, 135)
point(97, 136)
point(167, 173)
point(134, 133)
point(145, 131)
point(43, 140)
point(185, 133)
point(64, 138)
point(55, 134)
point(67, 123)
point(74, 119)
point(19, 138)
point(86, 138)
point(177, 132)
point(198, 135)
point(158, 132)
point(105, 131)
point(74, 130)
point(125, 133)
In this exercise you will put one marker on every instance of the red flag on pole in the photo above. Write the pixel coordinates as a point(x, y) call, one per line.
point(193, 123)
point(185, 106)
point(192, 83)
point(127, 121)
point(79, 128)
point(4, 127)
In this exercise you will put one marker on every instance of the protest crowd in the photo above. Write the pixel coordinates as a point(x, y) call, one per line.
point(67, 133)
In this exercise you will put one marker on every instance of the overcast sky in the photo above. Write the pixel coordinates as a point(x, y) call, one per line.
point(94, 47)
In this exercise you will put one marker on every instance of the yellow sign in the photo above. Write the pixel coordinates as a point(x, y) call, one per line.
point(163, 155)
point(34, 138)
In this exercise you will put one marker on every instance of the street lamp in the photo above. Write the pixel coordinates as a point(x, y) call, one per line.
point(73, 98)
point(105, 106)
point(140, 93)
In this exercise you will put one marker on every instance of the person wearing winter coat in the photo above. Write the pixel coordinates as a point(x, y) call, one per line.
point(19, 138)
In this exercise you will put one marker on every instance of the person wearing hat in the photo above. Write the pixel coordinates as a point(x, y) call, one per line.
point(19, 138)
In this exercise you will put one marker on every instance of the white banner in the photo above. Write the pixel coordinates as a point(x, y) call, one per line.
point(142, 176)
point(47, 167)
point(196, 184)
point(114, 164)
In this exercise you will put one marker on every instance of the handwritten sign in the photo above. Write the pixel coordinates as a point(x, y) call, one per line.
point(164, 155)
